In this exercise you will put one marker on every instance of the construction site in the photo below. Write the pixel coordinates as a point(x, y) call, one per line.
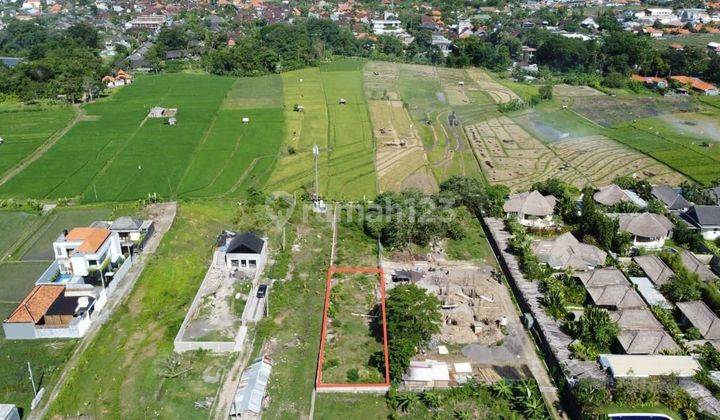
point(481, 335)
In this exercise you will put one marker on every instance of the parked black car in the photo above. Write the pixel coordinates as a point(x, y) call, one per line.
point(262, 290)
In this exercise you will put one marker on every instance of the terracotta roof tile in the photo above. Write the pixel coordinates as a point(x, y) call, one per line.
point(92, 238)
point(36, 303)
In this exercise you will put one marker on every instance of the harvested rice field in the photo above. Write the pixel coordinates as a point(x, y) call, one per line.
point(511, 156)
point(498, 93)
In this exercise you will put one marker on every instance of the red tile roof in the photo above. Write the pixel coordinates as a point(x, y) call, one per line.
point(36, 303)
point(92, 238)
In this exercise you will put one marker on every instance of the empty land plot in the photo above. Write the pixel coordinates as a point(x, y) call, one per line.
point(116, 154)
point(24, 131)
point(353, 331)
point(663, 140)
point(499, 93)
point(241, 154)
point(609, 111)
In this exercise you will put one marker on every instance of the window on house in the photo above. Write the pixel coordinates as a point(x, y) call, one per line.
point(58, 251)
point(243, 263)
point(252, 263)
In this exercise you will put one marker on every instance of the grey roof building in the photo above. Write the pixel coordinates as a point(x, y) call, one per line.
point(251, 391)
point(566, 251)
point(698, 314)
point(656, 270)
point(641, 333)
point(691, 262)
point(609, 288)
point(671, 197)
point(612, 194)
point(706, 219)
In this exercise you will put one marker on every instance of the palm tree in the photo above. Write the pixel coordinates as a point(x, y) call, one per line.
point(503, 389)
point(407, 400)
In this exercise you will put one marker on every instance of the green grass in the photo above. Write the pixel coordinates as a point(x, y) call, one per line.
point(681, 151)
point(115, 154)
point(118, 374)
point(17, 279)
point(350, 406)
point(342, 133)
point(291, 334)
point(353, 342)
point(25, 131)
point(13, 224)
point(46, 357)
point(474, 245)
point(344, 64)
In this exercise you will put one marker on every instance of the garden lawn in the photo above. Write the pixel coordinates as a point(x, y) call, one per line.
point(118, 374)
point(24, 131)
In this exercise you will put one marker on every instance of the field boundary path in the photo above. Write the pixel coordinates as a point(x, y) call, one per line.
point(163, 215)
point(50, 142)
point(332, 262)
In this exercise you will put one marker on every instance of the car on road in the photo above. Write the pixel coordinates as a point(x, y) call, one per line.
point(262, 290)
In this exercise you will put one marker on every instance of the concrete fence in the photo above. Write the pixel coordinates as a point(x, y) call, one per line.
point(182, 345)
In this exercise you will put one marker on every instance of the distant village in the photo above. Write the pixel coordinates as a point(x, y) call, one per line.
point(131, 26)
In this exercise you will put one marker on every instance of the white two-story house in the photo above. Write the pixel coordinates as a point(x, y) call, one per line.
point(85, 250)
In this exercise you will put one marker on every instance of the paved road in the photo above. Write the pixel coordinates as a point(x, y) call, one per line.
point(163, 214)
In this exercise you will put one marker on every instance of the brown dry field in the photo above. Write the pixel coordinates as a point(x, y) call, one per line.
point(511, 156)
point(498, 92)
point(399, 166)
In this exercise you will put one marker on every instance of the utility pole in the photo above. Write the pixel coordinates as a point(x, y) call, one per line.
point(316, 153)
point(32, 380)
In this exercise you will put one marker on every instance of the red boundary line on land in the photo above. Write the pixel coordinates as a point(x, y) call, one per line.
point(323, 334)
